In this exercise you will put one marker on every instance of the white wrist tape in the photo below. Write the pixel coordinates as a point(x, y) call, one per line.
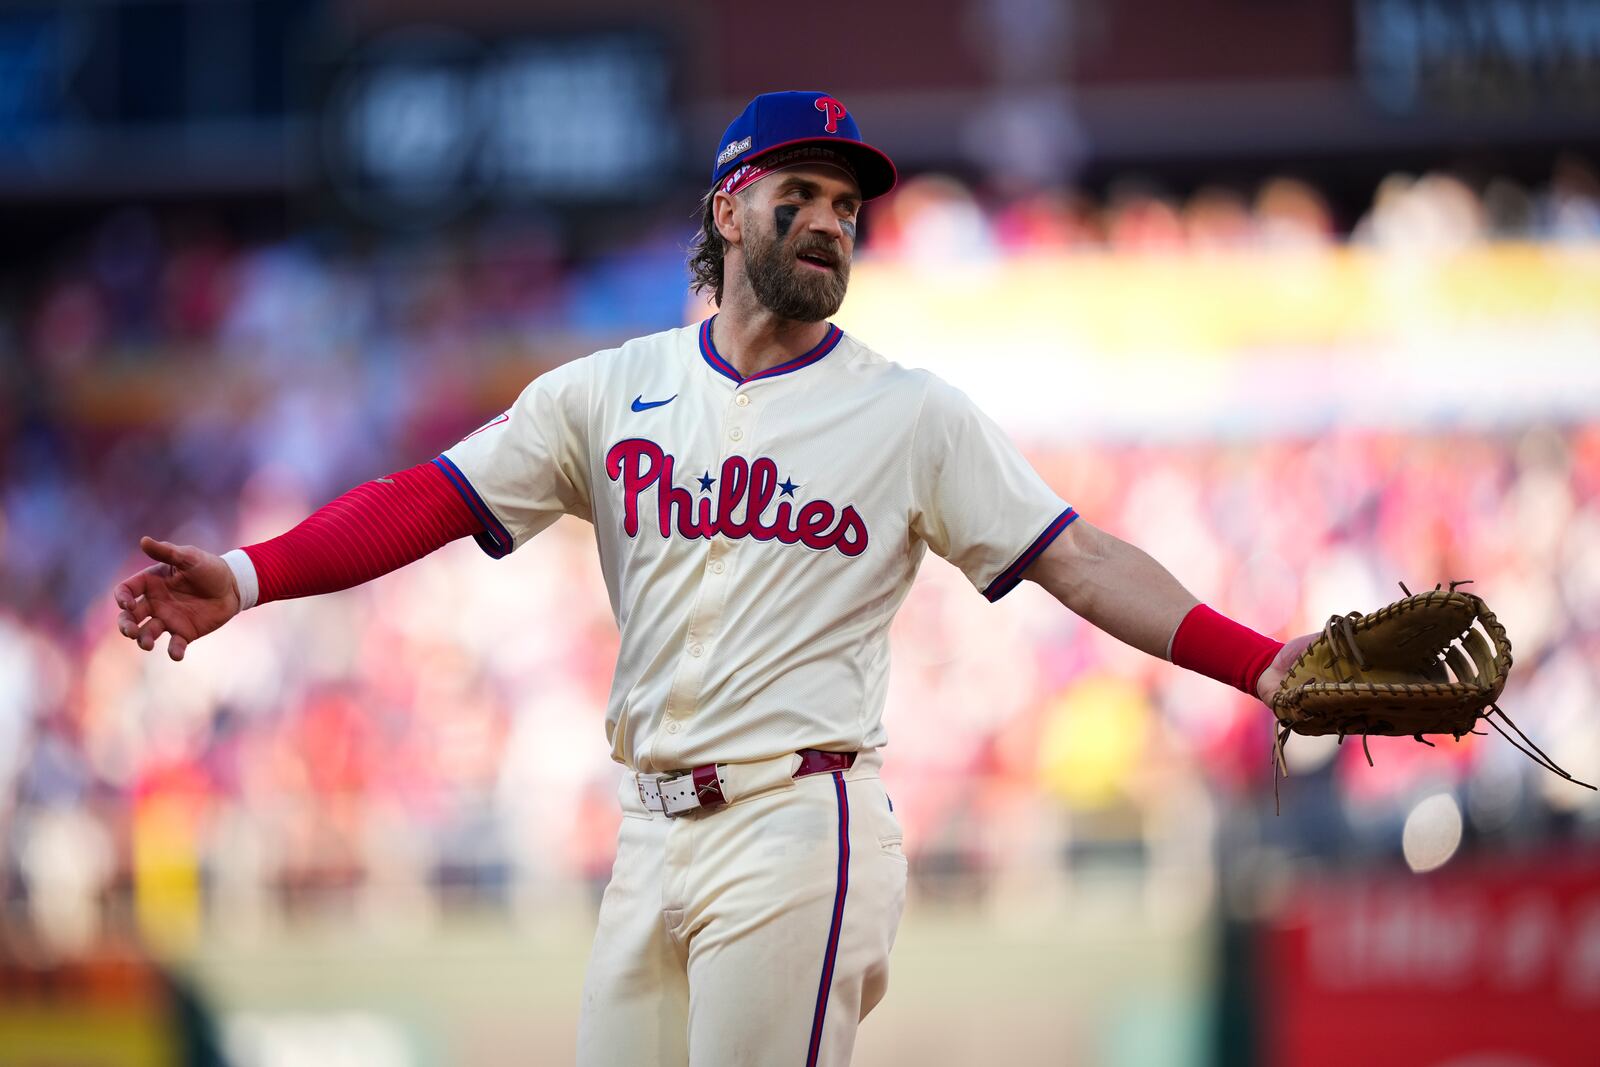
point(244, 576)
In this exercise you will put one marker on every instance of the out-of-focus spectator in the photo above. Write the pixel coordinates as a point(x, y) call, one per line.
point(1291, 214)
point(932, 219)
point(1054, 221)
point(1141, 219)
point(1217, 219)
point(1572, 205)
point(1436, 212)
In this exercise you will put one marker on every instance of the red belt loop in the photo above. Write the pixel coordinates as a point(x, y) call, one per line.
point(708, 787)
point(816, 761)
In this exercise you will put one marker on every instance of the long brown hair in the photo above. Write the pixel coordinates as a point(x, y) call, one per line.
point(706, 251)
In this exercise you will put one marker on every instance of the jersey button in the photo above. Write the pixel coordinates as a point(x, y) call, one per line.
point(672, 726)
point(742, 400)
point(736, 434)
point(696, 650)
point(717, 566)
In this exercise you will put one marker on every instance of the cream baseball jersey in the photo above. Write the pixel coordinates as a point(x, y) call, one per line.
point(756, 535)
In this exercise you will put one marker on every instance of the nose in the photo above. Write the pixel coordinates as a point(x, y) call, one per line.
point(824, 220)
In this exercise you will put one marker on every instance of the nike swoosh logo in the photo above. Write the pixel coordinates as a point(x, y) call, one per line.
point(641, 404)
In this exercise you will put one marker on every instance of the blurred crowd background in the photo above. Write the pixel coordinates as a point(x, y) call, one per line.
point(1304, 318)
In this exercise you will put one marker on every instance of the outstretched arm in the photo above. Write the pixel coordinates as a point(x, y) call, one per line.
point(1116, 586)
point(1123, 591)
point(375, 528)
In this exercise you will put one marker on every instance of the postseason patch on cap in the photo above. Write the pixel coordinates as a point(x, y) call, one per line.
point(732, 150)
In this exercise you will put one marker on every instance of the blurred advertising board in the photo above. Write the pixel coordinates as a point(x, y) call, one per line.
point(1493, 965)
point(1248, 344)
point(1110, 347)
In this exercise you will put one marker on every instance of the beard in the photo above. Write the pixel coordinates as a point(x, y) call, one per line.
point(792, 291)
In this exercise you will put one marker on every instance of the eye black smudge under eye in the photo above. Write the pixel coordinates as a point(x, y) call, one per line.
point(783, 218)
point(848, 227)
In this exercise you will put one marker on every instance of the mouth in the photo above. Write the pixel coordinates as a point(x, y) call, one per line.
point(816, 260)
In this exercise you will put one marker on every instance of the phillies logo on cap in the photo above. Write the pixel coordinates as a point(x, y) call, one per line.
point(833, 109)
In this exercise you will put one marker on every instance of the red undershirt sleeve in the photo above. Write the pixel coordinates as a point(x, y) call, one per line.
point(377, 527)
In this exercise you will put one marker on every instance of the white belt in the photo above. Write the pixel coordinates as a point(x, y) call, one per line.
point(715, 785)
point(674, 796)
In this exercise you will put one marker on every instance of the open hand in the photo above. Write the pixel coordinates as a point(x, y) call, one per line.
point(1275, 673)
point(187, 594)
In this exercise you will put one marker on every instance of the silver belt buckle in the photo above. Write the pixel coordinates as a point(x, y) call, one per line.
point(672, 797)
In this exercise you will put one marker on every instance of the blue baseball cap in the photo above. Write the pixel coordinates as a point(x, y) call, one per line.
point(792, 120)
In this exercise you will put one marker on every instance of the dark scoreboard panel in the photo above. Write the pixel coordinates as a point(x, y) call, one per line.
point(513, 102)
point(418, 125)
point(272, 96)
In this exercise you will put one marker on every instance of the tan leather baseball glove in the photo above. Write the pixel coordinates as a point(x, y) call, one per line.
point(1430, 663)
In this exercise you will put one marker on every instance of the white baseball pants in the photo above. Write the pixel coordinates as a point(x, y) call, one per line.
point(757, 934)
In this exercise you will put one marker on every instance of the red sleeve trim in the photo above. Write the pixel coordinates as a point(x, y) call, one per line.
point(1011, 577)
point(493, 538)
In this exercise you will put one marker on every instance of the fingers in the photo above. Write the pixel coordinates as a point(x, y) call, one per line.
point(149, 632)
point(164, 552)
point(128, 621)
point(127, 592)
point(135, 606)
point(145, 636)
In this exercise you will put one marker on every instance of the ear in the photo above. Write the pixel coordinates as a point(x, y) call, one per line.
point(725, 212)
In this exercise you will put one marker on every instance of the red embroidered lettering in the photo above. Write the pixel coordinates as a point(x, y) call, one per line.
point(735, 476)
point(738, 509)
point(815, 517)
point(763, 486)
point(851, 536)
point(638, 463)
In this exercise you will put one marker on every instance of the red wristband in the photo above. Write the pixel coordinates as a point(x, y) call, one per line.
point(1217, 647)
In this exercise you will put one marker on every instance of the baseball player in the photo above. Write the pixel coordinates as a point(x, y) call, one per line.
point(763, 488)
